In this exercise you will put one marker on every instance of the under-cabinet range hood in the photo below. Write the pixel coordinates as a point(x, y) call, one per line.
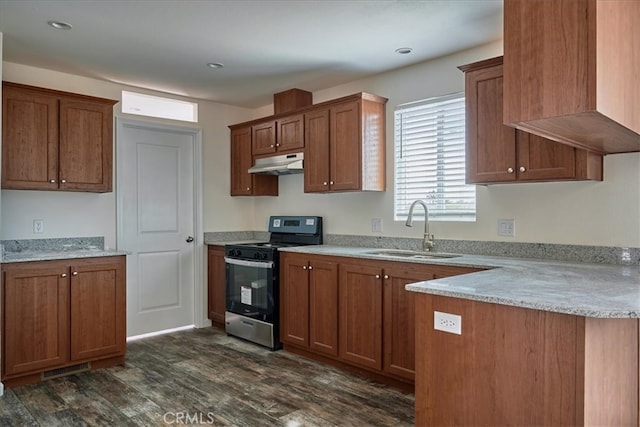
point(279, 165)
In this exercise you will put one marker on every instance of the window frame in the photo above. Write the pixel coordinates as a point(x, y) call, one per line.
point(447, 138)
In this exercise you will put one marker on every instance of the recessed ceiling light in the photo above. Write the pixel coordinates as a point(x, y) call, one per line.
point(59, 25)
point(404, 50)
point(215, 65)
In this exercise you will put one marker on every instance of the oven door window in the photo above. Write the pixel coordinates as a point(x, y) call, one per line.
point(250, 288)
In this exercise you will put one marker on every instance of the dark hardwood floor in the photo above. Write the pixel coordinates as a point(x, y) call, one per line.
point(203, 377)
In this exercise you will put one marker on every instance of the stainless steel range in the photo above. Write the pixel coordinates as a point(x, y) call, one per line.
point(252, 284)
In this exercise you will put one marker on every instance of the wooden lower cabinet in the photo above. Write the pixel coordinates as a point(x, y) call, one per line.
point(354, 311)
point(360, 293)
point(309, 303)
point(61, 313)
point(517, 366)
point(216, 279)
point(35, 331)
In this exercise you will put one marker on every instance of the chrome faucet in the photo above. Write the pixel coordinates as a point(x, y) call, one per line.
point(427, 243)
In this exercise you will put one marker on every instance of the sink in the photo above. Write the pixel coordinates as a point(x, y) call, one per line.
point(410, 254)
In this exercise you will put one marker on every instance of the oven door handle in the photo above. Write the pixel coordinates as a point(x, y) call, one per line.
point(245, 263)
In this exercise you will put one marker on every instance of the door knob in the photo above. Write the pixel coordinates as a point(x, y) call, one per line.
point(189, 239)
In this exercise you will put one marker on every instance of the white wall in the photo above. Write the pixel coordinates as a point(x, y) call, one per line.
point(604, 213)
point(584, 213)
point(69, 214)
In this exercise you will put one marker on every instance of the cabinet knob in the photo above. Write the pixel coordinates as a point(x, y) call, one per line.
point(271, 146)
point(523, 169)
point(63, 275)
point(53, 181)
point(248, 188)
point(377, 276)
point(63, 181)
point(277, 145)
point(510, 170)
point(330, 182)
point(304, 267)
point(324, 183)
point(386, 276)
point(310, 267)
point(75, 273)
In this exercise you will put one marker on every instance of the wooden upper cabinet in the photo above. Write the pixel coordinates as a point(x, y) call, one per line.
point(570, 71)
point(345, 146)
point(316, 166)
point(86, 146)
point(56, 140)
point(343, 141)
point(242, 182)
point(264, 138)
point(290, 134)
point(30, 139)
point(498, 154)
point(284, 135)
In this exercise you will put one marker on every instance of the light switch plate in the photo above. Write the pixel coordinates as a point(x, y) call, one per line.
point(38, 226)
point(507, 227)
point(376, 225)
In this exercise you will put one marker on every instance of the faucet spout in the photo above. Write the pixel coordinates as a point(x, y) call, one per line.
point(428, 242)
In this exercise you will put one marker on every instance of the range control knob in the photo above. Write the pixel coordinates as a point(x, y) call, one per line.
point(265, 256)
point(256, 255)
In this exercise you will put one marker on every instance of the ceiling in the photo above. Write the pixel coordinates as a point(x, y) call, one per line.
point(266, 46)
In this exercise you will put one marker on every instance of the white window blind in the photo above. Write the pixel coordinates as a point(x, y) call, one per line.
point(430, 160)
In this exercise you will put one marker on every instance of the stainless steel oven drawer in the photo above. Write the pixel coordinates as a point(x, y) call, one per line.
point(250, 329)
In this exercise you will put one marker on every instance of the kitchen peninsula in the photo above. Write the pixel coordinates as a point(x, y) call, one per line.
point(542, 342)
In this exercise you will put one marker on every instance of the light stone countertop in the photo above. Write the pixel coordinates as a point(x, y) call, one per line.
point(58, 254)
point(590, 290)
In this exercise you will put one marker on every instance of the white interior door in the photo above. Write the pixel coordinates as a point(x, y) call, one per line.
point(156, 224)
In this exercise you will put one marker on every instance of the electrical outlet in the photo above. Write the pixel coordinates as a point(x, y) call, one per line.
point(376, 225)
point(38, 226)
point(1, 389)
point(446, 322)
point(507, 227)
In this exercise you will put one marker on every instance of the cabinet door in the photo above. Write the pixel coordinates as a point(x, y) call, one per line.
point(242, 182)
point(264, 138)
point(86, 146)
point(490, 145)
point(323, 306)
point(361, 315)
point(294, 299)
point(290, 135)
point(542, 159)
point(241, 162)
point(345, 151)
point(35, 307)
point(29, 140)
point(399, 319)
point(316, 162)
point(216, 284)
point(97, 299)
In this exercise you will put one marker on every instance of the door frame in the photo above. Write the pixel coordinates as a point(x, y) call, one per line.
point(199, 289)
